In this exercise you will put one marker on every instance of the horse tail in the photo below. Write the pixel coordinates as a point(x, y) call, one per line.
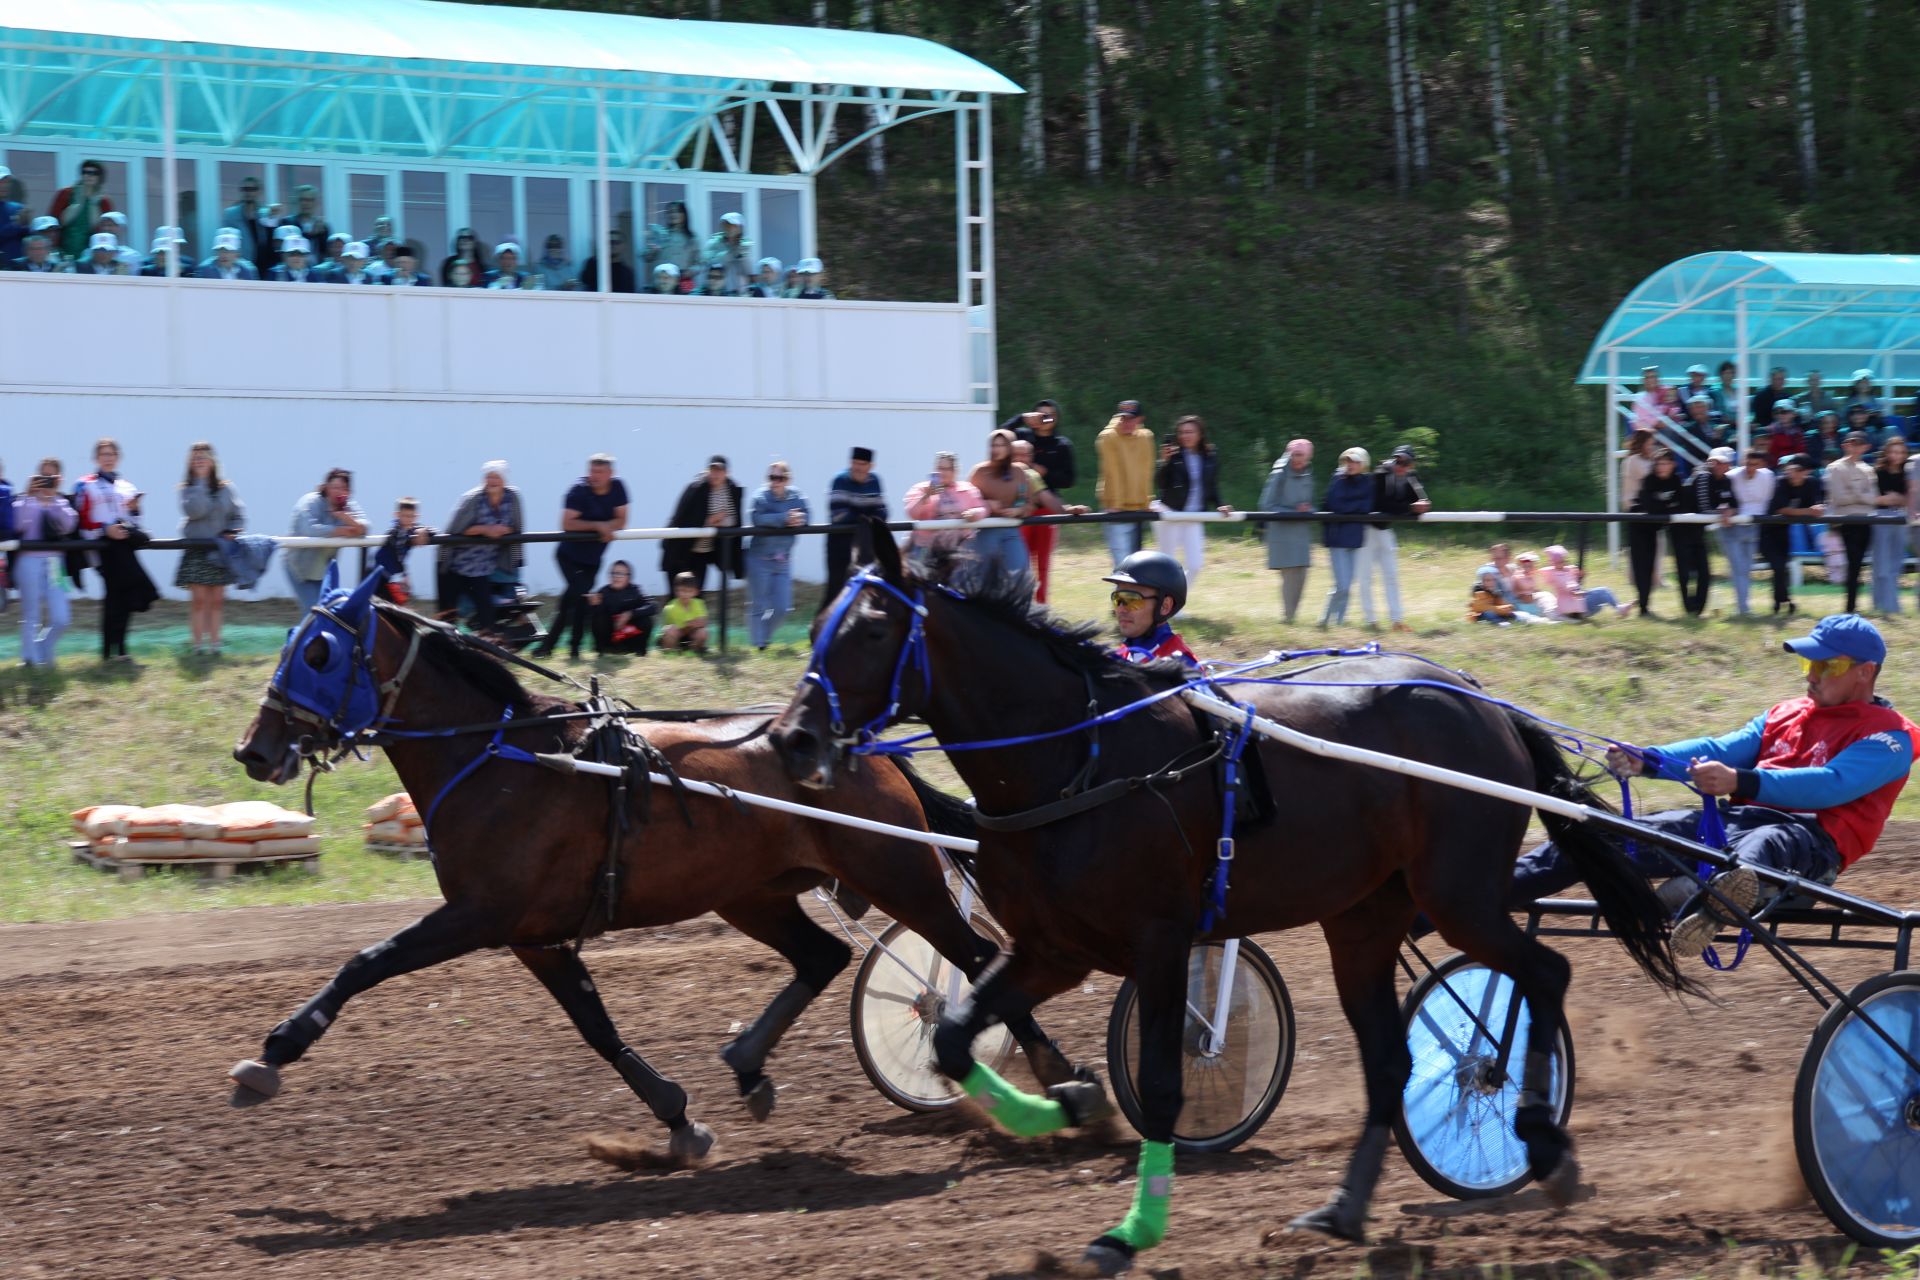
point(1633, 912)
point(946, 815)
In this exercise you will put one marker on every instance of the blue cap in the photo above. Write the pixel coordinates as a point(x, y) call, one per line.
point(1841, 635)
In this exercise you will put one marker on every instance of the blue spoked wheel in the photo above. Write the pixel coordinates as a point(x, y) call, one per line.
point(1456, 1118)
point(1856, 1114)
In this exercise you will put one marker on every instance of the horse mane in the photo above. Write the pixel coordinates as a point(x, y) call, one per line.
point(1007, 599)
point(486, 673)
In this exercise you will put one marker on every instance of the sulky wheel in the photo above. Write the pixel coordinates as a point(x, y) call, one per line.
point(1229, 1089)
point(903, 987)
point(1456, 1117)
point(1856, 1113)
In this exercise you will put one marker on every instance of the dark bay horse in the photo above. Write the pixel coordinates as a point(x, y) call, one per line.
point(519, 850)
point(1121, 887)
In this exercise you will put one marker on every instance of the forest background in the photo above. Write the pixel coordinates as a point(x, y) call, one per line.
point(1367, 221)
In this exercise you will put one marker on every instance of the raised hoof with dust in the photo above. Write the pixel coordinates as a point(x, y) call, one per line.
point(689, 1146)
point(1562, 1186)
point(1332, 1219)
point(760, 1099)
point(1102, 1259)
point(253, 1083)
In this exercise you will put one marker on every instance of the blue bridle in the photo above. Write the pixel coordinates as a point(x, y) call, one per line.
point(341, 692)
point(913, 657)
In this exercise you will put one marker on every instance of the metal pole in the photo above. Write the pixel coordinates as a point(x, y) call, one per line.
point(171, 183)
point(603, 208)
point(1740, 356)
point(961, 177)
point(1611, 437)
point(983, 197)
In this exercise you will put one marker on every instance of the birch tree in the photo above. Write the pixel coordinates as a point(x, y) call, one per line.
point(1033, 141)
point(1416, 94)
point(1497, 91)
point(1397, 87)
point(1803, 96)
point(877, 144)
point(827, 114)
point(1092, 86)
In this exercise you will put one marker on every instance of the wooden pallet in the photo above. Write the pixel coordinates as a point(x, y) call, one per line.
point(209, 868)
point(404, 852)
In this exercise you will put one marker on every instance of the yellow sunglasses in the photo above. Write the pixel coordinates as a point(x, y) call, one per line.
point(1128, 599)
point(1820, 668)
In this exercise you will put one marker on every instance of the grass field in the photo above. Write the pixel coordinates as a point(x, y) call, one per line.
point(162, 731)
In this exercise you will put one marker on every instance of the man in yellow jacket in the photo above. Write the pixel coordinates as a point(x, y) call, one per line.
point(1127, 458)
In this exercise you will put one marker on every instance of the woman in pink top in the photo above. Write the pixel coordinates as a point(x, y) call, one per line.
point(943, 496)
point(1570, 598)
point(1657, 404)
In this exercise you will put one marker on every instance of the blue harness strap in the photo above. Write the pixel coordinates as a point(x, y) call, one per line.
point(495, 748)
point(1230, 793)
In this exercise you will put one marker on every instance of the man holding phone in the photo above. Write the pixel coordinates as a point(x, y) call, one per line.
point(1053, 459)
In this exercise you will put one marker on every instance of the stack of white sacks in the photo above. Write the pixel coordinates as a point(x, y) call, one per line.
point(246, 829)
point(393, 826)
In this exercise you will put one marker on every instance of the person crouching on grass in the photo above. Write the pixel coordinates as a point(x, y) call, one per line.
point(685, 616)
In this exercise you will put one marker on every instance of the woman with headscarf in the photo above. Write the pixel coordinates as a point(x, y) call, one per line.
point(1289, 487)
point(491, 510)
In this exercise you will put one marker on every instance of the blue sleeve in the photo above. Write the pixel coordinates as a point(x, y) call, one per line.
point(1864, 767)
point(1739, 749)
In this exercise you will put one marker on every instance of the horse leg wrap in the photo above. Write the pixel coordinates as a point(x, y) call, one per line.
point(292, 1038)
point(1533, 1122)
point(1344, 1217)
point(667, 1100)
point(1020, 1114)
point(1146, 1223)
point(747, 1054)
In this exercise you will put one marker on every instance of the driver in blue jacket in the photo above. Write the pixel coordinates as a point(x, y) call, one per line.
point(1149, 587)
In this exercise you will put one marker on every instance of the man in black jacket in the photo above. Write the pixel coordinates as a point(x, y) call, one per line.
point(1712, 494)
point(1397, 491)
point(710, 502)
point(1053, 459)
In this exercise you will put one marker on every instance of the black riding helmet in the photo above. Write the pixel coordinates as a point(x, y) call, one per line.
point(1157, 571)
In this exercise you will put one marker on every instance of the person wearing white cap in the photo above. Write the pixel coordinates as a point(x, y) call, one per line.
point(13, 223)
point(226, 262)
point(165, 248)
point(103, 256)
point(1862, 394)
point(292, 267)
point(807, 276)
point(79, 206)
point(1701, 422)
point(1350, 492)
point(666, 279)
point(506, 272)
point(1753, 484)
point(730, 249)
point(353, 265)
point(492, 509)
point(328, 267)
point(766, 281)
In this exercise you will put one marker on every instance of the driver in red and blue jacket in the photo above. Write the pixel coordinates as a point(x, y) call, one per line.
point(1811, 780)
point(1149, 587)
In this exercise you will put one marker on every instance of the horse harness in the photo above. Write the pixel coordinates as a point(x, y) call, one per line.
point(299, 693)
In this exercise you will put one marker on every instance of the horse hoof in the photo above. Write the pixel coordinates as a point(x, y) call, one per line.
point(689, 1145)
point(1084, 1101)
point(1562, 1186)
point(760, 1099)
point(1330, 1220)
point(1106, 1260)
point(253, 1083)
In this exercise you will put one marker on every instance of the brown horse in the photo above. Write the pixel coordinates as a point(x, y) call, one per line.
point(519, 851)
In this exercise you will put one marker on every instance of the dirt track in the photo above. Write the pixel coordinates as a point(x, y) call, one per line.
point(438, 1129)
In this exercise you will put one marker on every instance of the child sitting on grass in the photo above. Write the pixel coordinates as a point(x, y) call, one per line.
point(685, 616)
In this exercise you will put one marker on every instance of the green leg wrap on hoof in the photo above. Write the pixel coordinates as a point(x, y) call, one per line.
point(1021, 1114)
point(1146, 1223)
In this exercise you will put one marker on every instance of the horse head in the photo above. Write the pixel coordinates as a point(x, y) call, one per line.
point(868, 666)
point(324, 690)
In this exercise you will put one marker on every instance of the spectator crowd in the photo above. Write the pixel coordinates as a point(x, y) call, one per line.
point(81, 233)
point(1028, 467)
point(1813, 453)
